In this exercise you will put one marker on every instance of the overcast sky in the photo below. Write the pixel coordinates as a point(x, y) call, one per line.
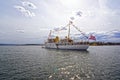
point(29, 21)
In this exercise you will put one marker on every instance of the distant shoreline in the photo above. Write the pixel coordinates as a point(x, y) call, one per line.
point(91, 44)
point(21, 44)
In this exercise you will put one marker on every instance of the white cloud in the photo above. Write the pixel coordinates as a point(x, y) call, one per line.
point(20, 31)
point(24, 11)
point(28, 5)
point(96, 15)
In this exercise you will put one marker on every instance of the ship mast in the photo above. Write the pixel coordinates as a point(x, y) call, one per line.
point(49, 34)
point(69, 31)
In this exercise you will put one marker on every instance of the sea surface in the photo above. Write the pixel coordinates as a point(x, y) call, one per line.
point(36, 63)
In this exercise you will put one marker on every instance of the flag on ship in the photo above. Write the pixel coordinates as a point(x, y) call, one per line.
point(72, 18)
point(56, 29)
point(63, 28)
point(79, 13)
point(92, 37)
point(59, 29)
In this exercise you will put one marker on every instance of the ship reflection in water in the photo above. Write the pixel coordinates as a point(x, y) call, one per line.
point(36, 63)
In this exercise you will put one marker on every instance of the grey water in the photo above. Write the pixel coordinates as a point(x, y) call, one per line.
point(36, 63)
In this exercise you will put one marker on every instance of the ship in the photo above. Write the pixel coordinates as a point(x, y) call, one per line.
point(67, 43)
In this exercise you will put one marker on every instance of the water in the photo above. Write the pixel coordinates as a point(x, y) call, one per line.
point(36, 63)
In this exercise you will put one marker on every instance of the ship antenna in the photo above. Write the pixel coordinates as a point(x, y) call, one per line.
point(70, 22)
point(49, 34)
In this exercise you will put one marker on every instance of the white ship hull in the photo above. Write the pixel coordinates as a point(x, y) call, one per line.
point(67, 46)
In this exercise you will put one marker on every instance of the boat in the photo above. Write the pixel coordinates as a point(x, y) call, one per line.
point(67, 43)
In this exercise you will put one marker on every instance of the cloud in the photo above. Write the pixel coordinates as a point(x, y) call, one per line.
point(25, 7)
point(28, 5)
point(24, 11)
point(110, 36)
point(20, 31)
point(102, 15)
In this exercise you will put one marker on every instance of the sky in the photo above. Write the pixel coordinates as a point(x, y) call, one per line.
point(29, 21)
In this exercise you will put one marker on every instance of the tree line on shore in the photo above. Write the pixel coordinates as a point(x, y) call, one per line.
point(103, 43)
